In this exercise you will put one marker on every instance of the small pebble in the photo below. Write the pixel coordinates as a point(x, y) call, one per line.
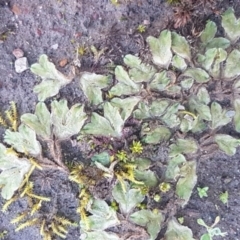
point(146, 22)
point(16, 10)
point(18, 53)
point(54, 46)
point(63, 62)
point(21, 64)
point(230, 113)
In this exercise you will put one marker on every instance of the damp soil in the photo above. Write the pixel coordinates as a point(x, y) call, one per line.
point(57, 28)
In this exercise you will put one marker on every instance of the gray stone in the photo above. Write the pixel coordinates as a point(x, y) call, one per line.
point(21, 64)
point(54, 46)
point(18, 53)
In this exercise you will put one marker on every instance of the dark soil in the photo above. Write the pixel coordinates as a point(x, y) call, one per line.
point(57, 28)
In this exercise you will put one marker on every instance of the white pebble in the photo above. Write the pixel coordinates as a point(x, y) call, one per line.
point(21, 64)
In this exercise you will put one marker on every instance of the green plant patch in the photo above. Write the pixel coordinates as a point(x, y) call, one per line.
point(139, 71)
point(227, 143)
point(202, 192)
point(161, 55)
point(127, 198)
point(231, 25)
point(24, 141)
point(13, 170)
point(150, 219)
point(155, 135)
point(92, 85)
point(209, 32)
point(52, 79)
point(224, 197)
point(142, 129)
point(40, 122)
point(232, 70)
point(125, 85)
point(211, 230)
point(103, 217)
point(111, 124)
point(178, 231)
point(174, 165)
point(180, 46)
point(187, 181)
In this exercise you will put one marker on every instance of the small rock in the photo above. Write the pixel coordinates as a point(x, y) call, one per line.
point(16, 10)
point(146, 22)
point(230, 113)
point(227, 180)
point(18, 53)
point(54, 46)
point(21, 64)
point(63, 62)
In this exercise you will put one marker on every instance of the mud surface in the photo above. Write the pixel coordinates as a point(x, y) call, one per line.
point(57, 28)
